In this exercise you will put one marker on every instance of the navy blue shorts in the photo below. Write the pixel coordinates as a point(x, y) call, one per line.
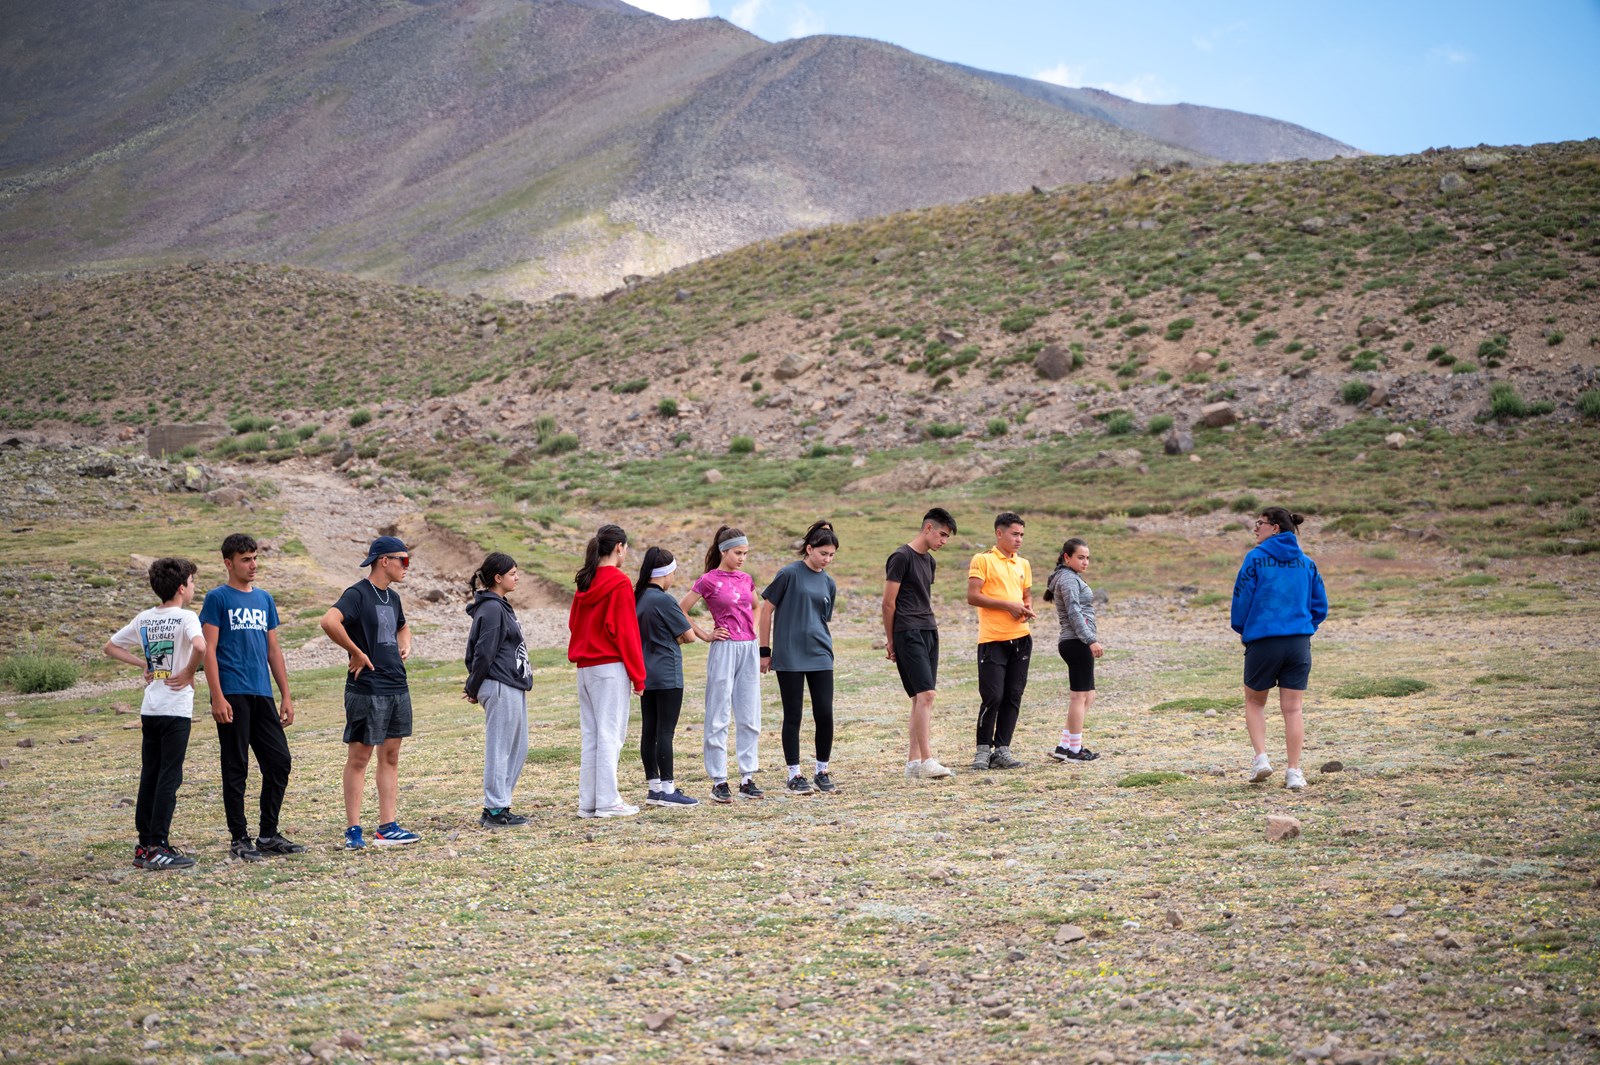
point(1278, 662)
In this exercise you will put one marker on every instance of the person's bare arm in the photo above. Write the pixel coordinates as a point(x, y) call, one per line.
point(333, 625)
point(891, 596)
point(122, 654)
point(403, 640)
point(764, 631)
point(975, 597)
point(179, 681)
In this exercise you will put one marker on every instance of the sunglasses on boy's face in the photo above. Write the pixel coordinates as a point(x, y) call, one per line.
point(404, 560)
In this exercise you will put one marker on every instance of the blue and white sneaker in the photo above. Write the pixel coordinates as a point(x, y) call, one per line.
point(392, 835)
point(353, 840)
point(676, 799)
point(654, 798)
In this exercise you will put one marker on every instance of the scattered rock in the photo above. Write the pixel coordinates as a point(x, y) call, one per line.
point(1395, 441)
point(657, 1021)
point(85, 738)
point(1397, 910)
point(226, 496)
point(786, 1001)
point(125, 801)
point(792, 366)
point(1453, 183)
point(25, 743)
point(1174, 919)
point(1334, 766)
point(343, 453)
point(1474, 162)
point(1216, 415)
point(1053, 363)
point(1123, 458)
point(886, 255)
point(352, 1040)
point(1313, 225)
point(1070, 933)
point(1281, 827)
point(150, 1020)
point(711, 477)
point(1178, 442)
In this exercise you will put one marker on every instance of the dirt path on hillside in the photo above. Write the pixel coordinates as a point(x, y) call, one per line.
point(335, 521)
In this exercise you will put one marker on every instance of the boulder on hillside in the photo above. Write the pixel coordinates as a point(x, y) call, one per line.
point(1452, 183)
point(1178, 442)
point(230, 495)
point(1216, 415)
point(1053, 363)
point(1200, 362)
point(1124, 458)
point(889, 254)
point(792, 366)
point(921, 474)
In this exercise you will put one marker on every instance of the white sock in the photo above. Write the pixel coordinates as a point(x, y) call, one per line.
point(653, 784)
point(668, 787)
point(794, 771)
point(1066, 738)
point(1074, 742)
point(822, 767)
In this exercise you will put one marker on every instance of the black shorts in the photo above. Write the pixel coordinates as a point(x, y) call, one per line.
point(916, 656)
point(1080, 664)
point(372, 719)
point(1278, 661)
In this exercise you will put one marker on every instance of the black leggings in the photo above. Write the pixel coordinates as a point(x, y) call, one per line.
point(660, 708)
point(791, 686)
point(164, 743)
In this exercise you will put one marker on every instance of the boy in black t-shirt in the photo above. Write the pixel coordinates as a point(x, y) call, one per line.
point(912, 633)
point(370, 624)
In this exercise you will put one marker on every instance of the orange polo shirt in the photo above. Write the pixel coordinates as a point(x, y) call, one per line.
point(1003, 578)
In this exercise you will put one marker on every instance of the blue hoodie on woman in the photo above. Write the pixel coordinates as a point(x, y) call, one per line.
point(1278, 591)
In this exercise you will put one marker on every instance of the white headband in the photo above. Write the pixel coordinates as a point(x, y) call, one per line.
point(733, 542)
point(662, 571)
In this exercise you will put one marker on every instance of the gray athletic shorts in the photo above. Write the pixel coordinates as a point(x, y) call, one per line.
point(371, 719)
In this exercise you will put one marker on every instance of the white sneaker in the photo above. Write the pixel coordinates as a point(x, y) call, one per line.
point(622, 809)
point(930, 769)
point(913, 770)
point(1260, 769)
point(1294, 779)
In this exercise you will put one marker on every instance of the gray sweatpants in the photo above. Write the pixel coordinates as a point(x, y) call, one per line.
point(604, 698)
point(733, 684)
point(505, 740)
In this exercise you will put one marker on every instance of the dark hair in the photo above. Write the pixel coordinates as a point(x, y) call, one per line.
point(238, 544)
point(1068, 549)
point(656, 556)
point(1007, 518)
point(1283, 519)
point(497, 564)
point(601, 544)
point(940, 516)
point(819, 535)
point(167, 575)
point(714, 555)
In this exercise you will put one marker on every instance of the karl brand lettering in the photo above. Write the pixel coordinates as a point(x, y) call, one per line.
point(247, 618)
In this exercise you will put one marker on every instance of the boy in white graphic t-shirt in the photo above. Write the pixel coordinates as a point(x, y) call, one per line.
point(167, 643)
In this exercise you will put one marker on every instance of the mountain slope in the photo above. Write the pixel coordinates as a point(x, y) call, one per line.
point(520, 147)
point(1232, 136)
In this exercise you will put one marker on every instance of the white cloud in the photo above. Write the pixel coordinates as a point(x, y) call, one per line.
point(1449, 53)
point(1141, 88)
point(745, 13)
point(1209, 40)
point(675, 8)
point(1064, 74)
point(804, 22)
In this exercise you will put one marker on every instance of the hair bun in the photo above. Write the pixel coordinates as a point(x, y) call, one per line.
point(1297, 519)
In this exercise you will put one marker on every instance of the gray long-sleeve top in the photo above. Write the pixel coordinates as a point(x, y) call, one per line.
point(1074, 606)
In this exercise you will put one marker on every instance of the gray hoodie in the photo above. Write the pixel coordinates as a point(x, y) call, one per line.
point(1074, 605)
point(495, 648)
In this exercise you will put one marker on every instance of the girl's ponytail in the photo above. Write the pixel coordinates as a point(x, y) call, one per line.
point(654, 559)
point(1068, 549)
point(714, 555)
point(820, 534)
point(497, 564)
point(600, 545)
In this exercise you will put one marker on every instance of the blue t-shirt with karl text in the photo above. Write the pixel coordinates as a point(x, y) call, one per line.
point(243, 620)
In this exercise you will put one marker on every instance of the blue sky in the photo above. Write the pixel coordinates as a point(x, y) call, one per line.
point(1390, 77)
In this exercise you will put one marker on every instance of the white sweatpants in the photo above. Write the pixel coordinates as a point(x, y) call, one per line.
point(733, 684)
point(604, 698)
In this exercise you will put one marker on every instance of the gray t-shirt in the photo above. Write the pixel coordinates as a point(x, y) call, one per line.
point(803, 599)
point(661, 622)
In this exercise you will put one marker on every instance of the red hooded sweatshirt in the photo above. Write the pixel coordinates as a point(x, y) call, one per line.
point(605, 627)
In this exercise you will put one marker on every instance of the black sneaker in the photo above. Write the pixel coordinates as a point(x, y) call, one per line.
point(1061, 754)
point(1084, 754)
point(720, 793)
point(824, 783)
point(798, 785)
point(501, 818)
point(166, 856)
point(277, 845)
point(245, 851)
point(749, 790)
point(140, 854)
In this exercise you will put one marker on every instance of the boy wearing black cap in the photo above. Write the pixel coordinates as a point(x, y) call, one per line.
point(370, 624)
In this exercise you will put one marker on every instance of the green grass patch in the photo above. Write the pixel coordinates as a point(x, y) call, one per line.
point(1380, 688)
point(1151, 778)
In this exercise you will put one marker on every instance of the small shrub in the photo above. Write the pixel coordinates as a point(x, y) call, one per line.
point(32, 673)
point(1159, 424)
point(1444, 358)
point(679, 439)
point(305, 432)
point(1246, 504)
point(359, 417)
point(1355, 392)
point(667, 408)
point(255, 442)
point(1472, 580)
point(1504, 401)
point(1196, 704)
point(1589, 404)
point(250, 424)
point(1464, 367)
point(1555, 338)
point(1175, 330)
point(1380, 688)
point(628, 388)
point(559, 444)
point(943, 430)
point(1022, 320)
point(1119, 424)
point(1265, 337)
point(1150, 779)
point(741, 445)
point(1436, 351)
point(1364, 361)
point(1503, 678)
point(998, 426)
